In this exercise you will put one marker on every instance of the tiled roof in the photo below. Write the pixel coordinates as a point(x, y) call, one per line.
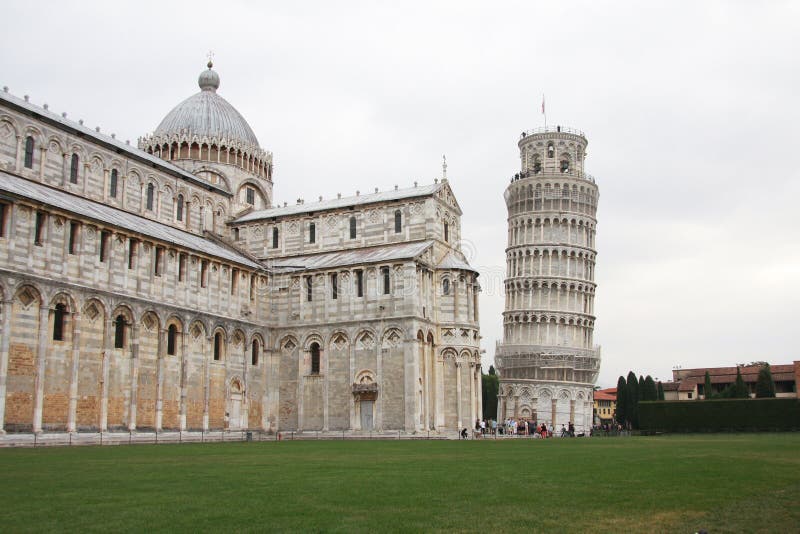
point(453, 261)
point(604, 395)
point(670, 386)
point(336, 203)
point(118, 218)
point(343, 258)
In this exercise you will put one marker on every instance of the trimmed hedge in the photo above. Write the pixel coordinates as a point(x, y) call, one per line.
point(719, 415)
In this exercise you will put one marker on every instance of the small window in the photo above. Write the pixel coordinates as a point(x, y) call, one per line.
point(446, 286)
point(359, 283)
point(447, 232)
point(352, 227)
point(119, 332)
point(39, 228)
point(309, 289)
point(59, 320)
point(254, 352)
point(73, 236)
point(4, 210)
point(158, 266)
point(29, 145)
point(252, 287)
point(312, 233)
point(386, 285)
point(275, 237)
point(217, 347)
point(112, 184)
point(236, 234)
point(398, 222)
point(334, 286)
point(132, 249)
point(250, 194)
point(203, 273)
point(234, 279)
point(564, 165)
point(181, 267)
point(105, 239)
point(172, 332)
point(73, 169)
point(551, 150)
point(179, 208)
point(315, 358)
point(151, 191)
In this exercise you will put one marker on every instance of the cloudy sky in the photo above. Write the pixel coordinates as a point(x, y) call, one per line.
point(691, 111)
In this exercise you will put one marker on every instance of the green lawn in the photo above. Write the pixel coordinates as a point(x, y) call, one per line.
point(724, 483)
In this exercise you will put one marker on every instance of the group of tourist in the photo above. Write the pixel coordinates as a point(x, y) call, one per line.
point(516, 427)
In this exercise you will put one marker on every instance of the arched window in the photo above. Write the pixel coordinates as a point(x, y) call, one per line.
point(59, 320)
point(387, 288)
point(564, 165)
point(315, 358)
point(217, 347)
point(119, 332)
point(112, 184)
point(254, 352)
point(29, 145)
point(172, 333)
point(73, 169)
point(275, 237)
point(446, 286)
point(537, 164)
point(352, 227)
point(151, 190)
point(312, 233)
point(179, 208)
point(398, 221)
point(447, 232)
point(551, 150)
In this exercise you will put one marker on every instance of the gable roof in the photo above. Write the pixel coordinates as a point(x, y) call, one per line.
point(116, 217)
point(343, 258)
point(338, 203)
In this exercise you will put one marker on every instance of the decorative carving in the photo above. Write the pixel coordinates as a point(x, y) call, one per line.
point(26, 297)
point(339, 342)
point(196, 331)
point(91, 311)
point(289, 346)
point(366, 341)
point(149, 322)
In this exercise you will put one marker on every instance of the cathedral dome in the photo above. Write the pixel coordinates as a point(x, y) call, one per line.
point(206, 114)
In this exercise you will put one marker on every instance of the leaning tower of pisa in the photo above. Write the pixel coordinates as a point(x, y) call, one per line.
point(547, 361)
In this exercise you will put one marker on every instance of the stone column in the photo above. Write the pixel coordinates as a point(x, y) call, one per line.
point(134, 386)
point(4, 345)
point(184, 377)
point(160, 378)
point(64, 169)
point(572, 412)
point(440, 368)
point(41, 360)
point(326, 379)
point(42, 159)
point(105, 365)
point(207, 381)
point(73, 382)
point(458, 393)
point(553, 403)
point(305, 354)
point(19, 161)
point(479, 390)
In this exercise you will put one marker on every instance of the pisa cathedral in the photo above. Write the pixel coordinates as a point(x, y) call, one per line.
point(547, 362)
point(159, 287)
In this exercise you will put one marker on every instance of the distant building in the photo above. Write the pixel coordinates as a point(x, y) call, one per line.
point(605, 406)
point(689, 384)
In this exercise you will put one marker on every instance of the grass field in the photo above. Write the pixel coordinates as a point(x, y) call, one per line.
point(724, 483)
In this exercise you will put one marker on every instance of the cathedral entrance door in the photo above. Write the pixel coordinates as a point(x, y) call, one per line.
point(366, 414)
point(236, 411)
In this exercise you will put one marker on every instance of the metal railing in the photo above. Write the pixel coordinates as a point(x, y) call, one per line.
point(552, 173)
point(551, 129)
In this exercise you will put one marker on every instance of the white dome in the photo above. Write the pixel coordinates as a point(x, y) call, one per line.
point(206, 114)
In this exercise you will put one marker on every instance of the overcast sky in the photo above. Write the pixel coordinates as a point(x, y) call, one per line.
point(690, 108)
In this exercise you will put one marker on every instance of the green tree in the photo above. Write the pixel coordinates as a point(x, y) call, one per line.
point(621, 401)
point(492, 371)
point(660, 390)
point(739, 389)
point(707, 391)
point(490, 388)
point(765, 386)
point(650, 392)
point(632, 400)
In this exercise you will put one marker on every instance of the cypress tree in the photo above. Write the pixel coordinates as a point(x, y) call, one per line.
point(740, 390)
point(621, 400)
point(641, 387)
point(650, 392)
point(660, 391)
point(765, 386)
point(632, 400)
point(707, 387)
point(492, 371)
